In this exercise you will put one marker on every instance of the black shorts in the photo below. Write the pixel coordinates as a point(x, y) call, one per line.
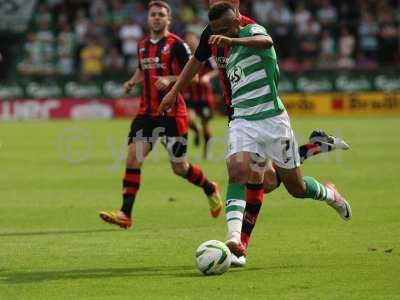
point(201, 109)
point(171, 130)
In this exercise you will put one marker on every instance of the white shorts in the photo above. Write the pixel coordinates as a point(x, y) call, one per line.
point(271, 138)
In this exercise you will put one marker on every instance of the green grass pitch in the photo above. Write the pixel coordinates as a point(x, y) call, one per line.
point(56, 176)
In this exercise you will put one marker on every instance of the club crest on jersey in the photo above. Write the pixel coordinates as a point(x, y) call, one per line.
point(235, 75)
point(165, 49)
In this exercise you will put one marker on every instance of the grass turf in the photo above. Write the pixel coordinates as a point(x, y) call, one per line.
point(56, 176)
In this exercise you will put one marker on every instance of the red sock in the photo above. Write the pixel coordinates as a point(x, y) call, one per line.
point(254, 200)
point(196, 176)
point(130, 186)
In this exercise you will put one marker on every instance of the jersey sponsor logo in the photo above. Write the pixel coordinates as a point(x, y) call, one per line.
point(235, 75)
point(152, 63)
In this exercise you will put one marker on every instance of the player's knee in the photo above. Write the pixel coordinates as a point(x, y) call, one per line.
point(180, 169)
point(133, 162)
point(270, 184)
point(238, 174)
point(271, 180)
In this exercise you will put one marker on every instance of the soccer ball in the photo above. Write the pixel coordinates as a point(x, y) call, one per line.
point(213, 258)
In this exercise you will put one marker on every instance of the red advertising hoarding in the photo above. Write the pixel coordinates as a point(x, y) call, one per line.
point(76, 109)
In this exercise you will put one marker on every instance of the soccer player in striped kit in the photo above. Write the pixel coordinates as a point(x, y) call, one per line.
point(238, 171)
point(162, 55)
point(260, 128)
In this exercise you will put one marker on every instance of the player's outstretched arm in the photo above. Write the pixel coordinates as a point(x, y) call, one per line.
point(188, 73)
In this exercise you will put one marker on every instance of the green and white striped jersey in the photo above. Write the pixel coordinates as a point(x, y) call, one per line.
point(253, 75)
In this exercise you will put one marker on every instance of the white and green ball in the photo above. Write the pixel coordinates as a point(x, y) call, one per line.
point(213, 258)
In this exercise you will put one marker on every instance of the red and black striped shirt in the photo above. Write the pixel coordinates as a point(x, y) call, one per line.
point(204, 51)
point(164, 57)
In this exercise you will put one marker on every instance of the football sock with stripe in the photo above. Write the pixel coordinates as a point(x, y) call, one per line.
point(196, 176)
point(318, 191)
point(254, 200)
point(235, 205)
point(130, 186)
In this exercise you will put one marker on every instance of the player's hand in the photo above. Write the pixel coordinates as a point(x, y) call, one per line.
point(162, 83)
point(206, 80)
point(220, 41)
point(167, 102)
point(128, 86)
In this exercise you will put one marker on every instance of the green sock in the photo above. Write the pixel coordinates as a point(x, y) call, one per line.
point(235, 205)
point(316, 190)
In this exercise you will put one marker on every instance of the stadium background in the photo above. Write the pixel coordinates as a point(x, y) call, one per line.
point(347, 53)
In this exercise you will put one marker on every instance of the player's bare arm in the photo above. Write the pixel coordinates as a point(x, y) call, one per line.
point(163, 82)
point(206, 78)
point(135, 79)
point(188, 73)
point(257, 41)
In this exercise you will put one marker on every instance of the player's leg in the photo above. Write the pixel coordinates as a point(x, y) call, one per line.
point(193, 174)
point(239, 170)
point(243, 147)
point(139, 146)
point(308, 187)
point(206, 116)
point(254, 199)
point(321, 142)
point(287, 161)
point(175, 141)
point(271, 178)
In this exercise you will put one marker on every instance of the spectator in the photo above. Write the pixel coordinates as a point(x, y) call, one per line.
point(346, 47)
point(327, 50)
point(66, 42)
point(262, 9)
point(196, 26)
point(308, 43)
point(32, 56)
point(98, 9)
point(368, 31)
point(281, 20)
point(45, 38)
point(302, 17)
point(91, 58)
point(130, 35)
point(117, 14)
point(81, 25)
point(43, 15)
point(389, 38)
point(295, 26)
point(327, 14)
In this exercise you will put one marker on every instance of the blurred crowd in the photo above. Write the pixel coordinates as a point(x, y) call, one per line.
point(98, 37)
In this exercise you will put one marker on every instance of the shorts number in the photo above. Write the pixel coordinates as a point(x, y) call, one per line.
point(285, 150)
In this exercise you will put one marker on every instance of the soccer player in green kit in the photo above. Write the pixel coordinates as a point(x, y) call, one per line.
point(261, 126)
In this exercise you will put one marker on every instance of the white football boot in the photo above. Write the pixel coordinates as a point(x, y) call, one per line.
point(340, 204)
